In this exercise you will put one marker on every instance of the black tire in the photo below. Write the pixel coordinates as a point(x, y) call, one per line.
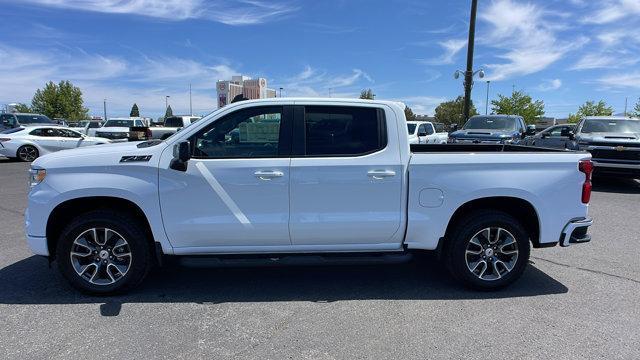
point(141, 258)
point(27, 153)
point(456, 256)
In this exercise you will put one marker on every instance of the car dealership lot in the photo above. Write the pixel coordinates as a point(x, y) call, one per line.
point(581, 302)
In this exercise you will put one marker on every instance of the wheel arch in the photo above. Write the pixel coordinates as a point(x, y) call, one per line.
point(64, 212)
point(520, 208)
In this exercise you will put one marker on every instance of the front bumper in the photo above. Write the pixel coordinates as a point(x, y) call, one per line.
point(575, 232)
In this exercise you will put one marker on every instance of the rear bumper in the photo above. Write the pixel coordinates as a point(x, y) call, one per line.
point(575, 232)
point(616, 167)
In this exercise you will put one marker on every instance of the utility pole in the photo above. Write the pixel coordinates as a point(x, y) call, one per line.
point(468, 75)
point(166, 102)
point(280, 92)
point(486, 105)
point(625, 105)
point(190, 103)
point(105, 109)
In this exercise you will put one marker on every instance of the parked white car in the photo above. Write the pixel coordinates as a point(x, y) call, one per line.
point(116, 129)
point(30, 142)
point(285, 178)
point(424, 132)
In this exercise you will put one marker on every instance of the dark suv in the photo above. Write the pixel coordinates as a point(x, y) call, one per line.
point(496, 129)
point(14, 120)
point(614, 144)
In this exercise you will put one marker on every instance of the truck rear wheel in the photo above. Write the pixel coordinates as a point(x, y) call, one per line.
point(488, 250)
point(102, 252)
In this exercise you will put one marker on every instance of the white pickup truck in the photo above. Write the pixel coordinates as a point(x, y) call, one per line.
point(288, 178)
point(424, 132)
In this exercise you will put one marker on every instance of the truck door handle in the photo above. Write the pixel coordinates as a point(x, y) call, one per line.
point(268, 175)
point(381, 174)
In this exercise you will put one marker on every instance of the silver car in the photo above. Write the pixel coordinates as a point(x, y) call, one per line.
point(27, 143)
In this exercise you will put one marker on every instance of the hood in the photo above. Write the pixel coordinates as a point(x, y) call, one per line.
point(610, 137)
point(483, 134)
point(98, 155)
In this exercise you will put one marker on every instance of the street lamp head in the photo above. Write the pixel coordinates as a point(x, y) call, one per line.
point(456, 74)
point(481, 73)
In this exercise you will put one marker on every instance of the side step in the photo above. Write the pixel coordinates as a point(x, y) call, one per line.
point(294, 260)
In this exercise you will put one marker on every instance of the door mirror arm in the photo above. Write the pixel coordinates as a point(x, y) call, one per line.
point(181, 156)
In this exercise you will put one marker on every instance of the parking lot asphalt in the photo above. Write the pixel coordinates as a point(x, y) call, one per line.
point(574, 303)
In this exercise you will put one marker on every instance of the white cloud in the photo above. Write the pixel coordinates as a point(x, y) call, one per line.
point(312, 82)
point(548, 85)
point(142, 80)
point(527, 35)
point(625, 80)
point(237, 12)
point(451, 48)
point(613, 10)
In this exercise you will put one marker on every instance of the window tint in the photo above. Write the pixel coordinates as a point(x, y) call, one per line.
point(69, 133)
point(47, 132)
point(343, 131)
point(119, 123)
point(247, 133)
point(439, 127)
point(173, 121)
point(425, 128)
point(411, 128)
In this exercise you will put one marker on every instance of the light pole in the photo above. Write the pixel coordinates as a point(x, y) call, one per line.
point(468, 74)
point(190, 102)
point(280, 92)
point(486, 104)
point(166, 102)
point(105, 109)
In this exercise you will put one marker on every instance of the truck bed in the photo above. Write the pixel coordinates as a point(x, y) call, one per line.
point(438, 148)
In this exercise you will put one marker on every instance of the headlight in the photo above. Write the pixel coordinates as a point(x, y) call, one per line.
point(36, 176)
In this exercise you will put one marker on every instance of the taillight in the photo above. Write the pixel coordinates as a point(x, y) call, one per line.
point(586, 166)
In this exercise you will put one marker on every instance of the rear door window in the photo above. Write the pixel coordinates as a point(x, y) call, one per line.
point(343, 131)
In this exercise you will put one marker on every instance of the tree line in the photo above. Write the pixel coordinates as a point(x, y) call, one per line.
point(519, 103)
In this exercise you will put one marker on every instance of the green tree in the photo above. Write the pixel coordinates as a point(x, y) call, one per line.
point(169, 112)
point(636, 109)
point(367, 94)
point(519, 103)
point(62, 100)
point(591, 108)
point(451, 112)
point(22, 108)
point(135, 112)
point(408, 113)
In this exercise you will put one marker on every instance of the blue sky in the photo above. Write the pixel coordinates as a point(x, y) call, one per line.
point(562, 52)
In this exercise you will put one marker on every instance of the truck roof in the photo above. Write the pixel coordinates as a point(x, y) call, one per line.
point(322, 99)
point(610, 118)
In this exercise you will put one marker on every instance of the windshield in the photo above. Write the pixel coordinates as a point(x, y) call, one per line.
point(490, 123)
point(611, 126)
point(34, 119)
point(411, 128)
point(119, 123)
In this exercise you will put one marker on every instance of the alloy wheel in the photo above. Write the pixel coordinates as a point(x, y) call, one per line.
point(101, 256)
point(491, 253)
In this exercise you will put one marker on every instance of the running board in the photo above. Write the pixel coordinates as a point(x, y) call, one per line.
point(294, 260)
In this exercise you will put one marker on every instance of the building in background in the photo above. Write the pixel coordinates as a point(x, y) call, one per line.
point(242, 86)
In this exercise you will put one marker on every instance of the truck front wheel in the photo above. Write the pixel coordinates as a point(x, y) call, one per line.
point(102, 252)
point(488, 250)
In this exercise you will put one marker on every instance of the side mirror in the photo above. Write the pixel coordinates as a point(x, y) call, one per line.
point(531, 130)
point(568, 134)
point(453, 127)
point(181, 155)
